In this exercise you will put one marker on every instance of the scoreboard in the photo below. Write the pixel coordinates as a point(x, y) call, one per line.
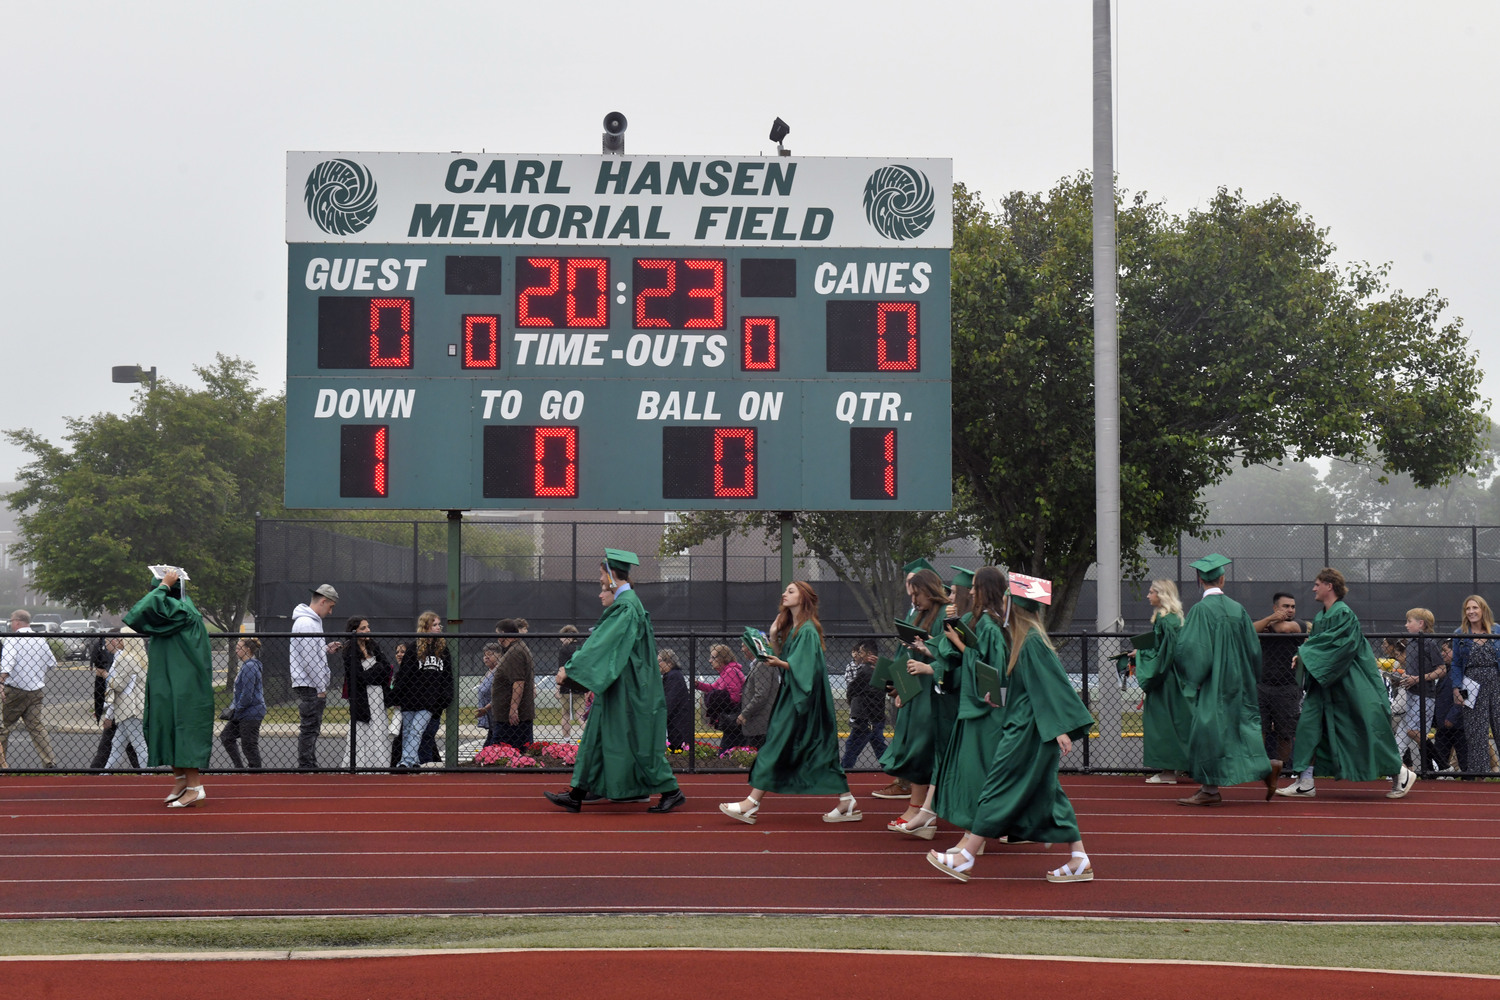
point(471, 331)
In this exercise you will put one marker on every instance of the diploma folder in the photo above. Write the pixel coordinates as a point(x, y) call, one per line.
point(1146, 640)
point(910, 633)
point(964, 632)
point(987, 680)
point(894, 671)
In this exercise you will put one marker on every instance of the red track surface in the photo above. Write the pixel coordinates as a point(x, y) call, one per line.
point(656, 975)
point(489, 843)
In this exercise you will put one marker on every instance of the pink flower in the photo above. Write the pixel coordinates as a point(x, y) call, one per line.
point(523, 762)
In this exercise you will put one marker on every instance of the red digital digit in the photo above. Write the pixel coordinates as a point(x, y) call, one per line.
point(380, 467)
point(402, 359)
point(714, 292)
point(741, 465)
point(890, 464)
point(599, 294)
point(645, 295)
point(884, 360)
point(556, 456)
point(486, 352)
point(524, 316)
point(760, 345)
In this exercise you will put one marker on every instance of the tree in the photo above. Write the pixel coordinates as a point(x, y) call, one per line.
point(178, 480)
point(1240, 342)
point(865, 549)
point(1289, 493)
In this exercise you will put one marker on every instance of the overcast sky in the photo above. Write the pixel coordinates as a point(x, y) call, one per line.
point(143, 190)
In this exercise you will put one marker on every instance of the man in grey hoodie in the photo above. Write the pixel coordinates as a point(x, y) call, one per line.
point(310, 673)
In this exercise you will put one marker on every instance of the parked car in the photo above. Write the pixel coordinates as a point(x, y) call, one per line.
point(77, 648)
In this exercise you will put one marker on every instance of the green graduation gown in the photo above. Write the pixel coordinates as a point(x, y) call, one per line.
point(801, 752)
point(965, 763)
point(1168, 712)
point(1345, 726)
point(911, 751)
point(947, 682)
point(1022, 797)
point(623, 754)
point(1217, 657)
point(179, 716)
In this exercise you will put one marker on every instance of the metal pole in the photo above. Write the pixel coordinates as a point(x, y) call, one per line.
point(1106, 336)
point(788, 539)
point(455, 582)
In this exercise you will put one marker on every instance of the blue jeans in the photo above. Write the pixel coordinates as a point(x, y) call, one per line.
point(860, 735)
point(412, 726)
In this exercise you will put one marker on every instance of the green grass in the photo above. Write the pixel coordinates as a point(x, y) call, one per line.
point(1440, 948)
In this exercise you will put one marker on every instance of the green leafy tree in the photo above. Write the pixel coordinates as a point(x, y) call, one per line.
point(865, 549)
point(178, 480)
point(1240, 342)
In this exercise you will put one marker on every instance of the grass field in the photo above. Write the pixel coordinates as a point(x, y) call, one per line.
point(1433, 947)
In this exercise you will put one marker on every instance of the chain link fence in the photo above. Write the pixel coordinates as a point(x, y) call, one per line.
point(60, 688)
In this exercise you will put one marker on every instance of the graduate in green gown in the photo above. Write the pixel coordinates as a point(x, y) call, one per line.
point(623, 754)
point(1022, 798)
point(963, 766)
point(1167, 715)
point(912, 751)
point(179, 718)
point(1217, 657)
point(801, 753)
point(1345, 727)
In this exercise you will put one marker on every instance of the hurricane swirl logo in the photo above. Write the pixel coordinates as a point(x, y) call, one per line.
point(899, 202)
point(340, 197)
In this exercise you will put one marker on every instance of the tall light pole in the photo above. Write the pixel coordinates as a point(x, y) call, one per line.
point(1106, 336)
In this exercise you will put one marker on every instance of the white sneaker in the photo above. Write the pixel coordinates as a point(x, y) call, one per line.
point(1297, 790)
point(1404, 782)
point(1162, 778)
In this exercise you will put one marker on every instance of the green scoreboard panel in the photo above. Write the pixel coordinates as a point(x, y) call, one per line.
point(446, 360)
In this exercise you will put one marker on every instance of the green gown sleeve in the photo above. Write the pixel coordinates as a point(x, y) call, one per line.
point(160, 614)
point(1151, 665)
point(804, 654)
point(948, 662)
point(606, 652)
point(1333, 645)
point(1055, 703)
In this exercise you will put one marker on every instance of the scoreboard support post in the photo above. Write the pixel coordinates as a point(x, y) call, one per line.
point(454, 625)
point(788, 543)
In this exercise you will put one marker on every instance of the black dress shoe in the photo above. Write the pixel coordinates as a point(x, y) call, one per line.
point(563, 800)
point(669, 801)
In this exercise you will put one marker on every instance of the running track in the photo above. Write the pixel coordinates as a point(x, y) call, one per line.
point(87, 846)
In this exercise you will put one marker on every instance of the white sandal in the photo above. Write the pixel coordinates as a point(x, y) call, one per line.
point(1067, 873)
point(958, 869)
point(916, 826)
point(847, 811)
point(198, 796)
point(737, 810)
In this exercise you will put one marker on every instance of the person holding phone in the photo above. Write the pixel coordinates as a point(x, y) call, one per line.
point(912, 751)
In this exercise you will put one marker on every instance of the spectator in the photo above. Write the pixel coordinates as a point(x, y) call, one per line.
point(484, 694)
point(367, 685)
point(1475, 664)
point(423, 685)
point(759, 694)
point(679, 701)
point(310, 673)
point(24, 662)
point(247, 709)
point(513, 704)
point(1447, 722)
point(127, 699)
point(1279, 691)
point(721, 697)
point(573, 694)
point(179, 687)
point(1421, 666)
point(866, 704)
point(102, 656)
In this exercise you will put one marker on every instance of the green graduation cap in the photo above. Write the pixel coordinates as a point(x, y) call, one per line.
point(962, 577)
point(917, 565)
point(620, 559)
point(1211, 567)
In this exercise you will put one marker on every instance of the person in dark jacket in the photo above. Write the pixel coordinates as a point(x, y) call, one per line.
point(248, 708)
point(423, 685)
point(679, 700)
point(866, 705)
point(367, 687)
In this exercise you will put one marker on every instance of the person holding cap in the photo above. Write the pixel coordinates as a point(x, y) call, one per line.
point(1217, 660)
point(1345, 726)
point(1022, 798)
point(179, 713)
point(310, 673)
point(622, 755)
